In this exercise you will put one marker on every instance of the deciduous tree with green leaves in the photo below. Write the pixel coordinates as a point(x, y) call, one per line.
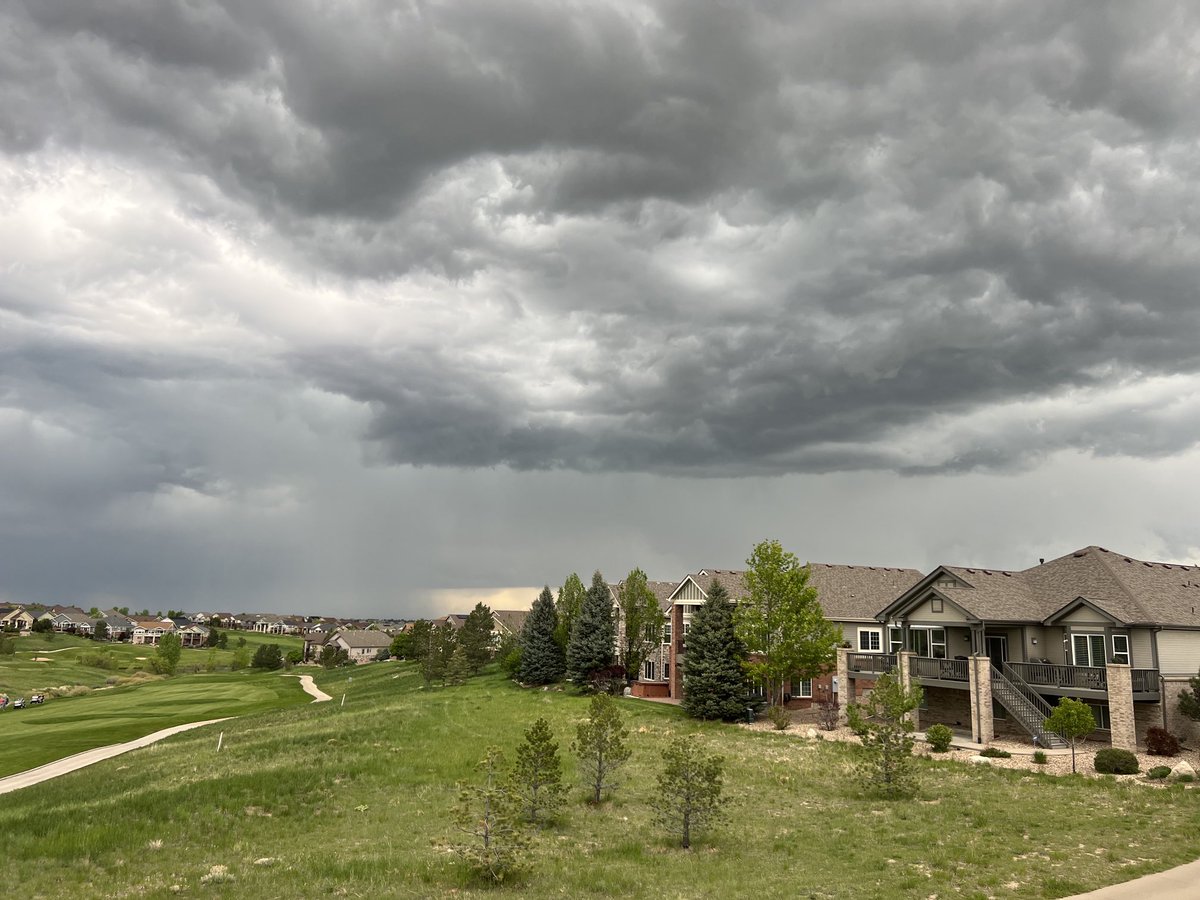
point(600, 745)
point(166, 658)
point(267, 656)
point(537, 774)
point(714, 673)
point(568, 605)
point(593, 633)
point(496, 845)
point(543, 660)
point(1072, 719)
point(883, 721)
point(690, 783)
point(642, 620)
point(781, 621)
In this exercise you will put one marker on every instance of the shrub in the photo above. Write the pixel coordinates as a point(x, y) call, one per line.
point(995, 753)
point(1159, 772)
point(1186, 778)
point(829, 708)
point(1039, 757)
point(8, 647)
point(939, 737)
point(267, 656)
point(1111, 761)
point(1160, 742)
point(779, 716)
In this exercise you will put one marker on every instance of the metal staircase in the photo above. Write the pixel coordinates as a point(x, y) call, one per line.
point(1025, 705)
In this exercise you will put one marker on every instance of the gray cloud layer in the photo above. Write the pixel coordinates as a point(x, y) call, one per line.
point(693, 239)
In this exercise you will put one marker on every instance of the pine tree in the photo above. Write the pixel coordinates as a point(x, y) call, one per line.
point(689, 788)
point(883, 721)
point(537, 774)
point(570, 601)
point(475, 637)
point(593, 633)
point(435, 655)
point(496, 846)
point(458, 669)
point(600, 743)
point(542, 657)
point(714, 676)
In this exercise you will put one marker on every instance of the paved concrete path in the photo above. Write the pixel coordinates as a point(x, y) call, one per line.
point(310, 688)
point(1180, 883)
point(90, 757)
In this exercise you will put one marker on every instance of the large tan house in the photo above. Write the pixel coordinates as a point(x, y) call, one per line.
point(993, 649)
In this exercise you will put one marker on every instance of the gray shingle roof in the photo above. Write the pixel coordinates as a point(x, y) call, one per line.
point(846, 593)
point(1130, 590)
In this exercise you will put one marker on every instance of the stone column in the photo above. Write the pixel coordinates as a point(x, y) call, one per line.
point(979, 669)
point(845, 685)
point(904, 665)
point(1120, 707)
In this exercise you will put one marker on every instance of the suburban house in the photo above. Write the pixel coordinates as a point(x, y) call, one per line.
point(361, 646)
point(314, 643)
point(119, 626)
point(150, 631)
point(507, 623)
point(15, 618)
point(193, 635)
point(655, 677)
point(849, 596)
point(995, 649)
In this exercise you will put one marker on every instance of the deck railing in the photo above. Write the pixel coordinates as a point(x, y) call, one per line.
point(1145, 681)
point(1087, 678)
point(940, 669)
point(873, 663)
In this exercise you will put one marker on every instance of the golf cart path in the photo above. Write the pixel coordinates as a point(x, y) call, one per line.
point(99, 754)
point(310, 688)
point(1179, 883)
point(91, 757)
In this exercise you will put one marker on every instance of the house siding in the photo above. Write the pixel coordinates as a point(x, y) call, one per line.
point(1141, 649)
point(1178, 652)
point(948, 616)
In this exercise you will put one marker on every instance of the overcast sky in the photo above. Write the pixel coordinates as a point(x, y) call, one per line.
point(379, 307)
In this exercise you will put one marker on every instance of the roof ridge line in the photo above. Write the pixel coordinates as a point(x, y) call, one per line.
point(1120, 583)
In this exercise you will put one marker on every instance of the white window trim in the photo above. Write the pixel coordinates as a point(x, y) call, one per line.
point(1116, 653)
point(1075, 647)
point(800, 689)
point(878, 632)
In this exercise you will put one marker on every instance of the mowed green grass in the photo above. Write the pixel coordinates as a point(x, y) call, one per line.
point(69, 725)
point(356, 801)
point(63, 653)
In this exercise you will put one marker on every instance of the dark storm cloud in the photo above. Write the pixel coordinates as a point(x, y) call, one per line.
point(675, 237)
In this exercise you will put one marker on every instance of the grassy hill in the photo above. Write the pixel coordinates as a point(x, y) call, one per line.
point(69, 725)
point(323, 799)
point(46, 661)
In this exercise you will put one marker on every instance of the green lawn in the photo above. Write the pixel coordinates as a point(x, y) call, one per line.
point(70, 725)
point(61, 660)
point(354, 800)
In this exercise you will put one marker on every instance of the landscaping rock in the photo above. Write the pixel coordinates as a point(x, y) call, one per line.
point(980, 760)
point(811, 733)
point(1183, 767)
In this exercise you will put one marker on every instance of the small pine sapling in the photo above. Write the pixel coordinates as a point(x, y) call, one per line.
point(690, 786)
point(600, 745)
point(537, 774)
point(884, 723)
point(496, 846)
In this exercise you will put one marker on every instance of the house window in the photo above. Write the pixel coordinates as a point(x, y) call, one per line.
point(667, 632)
point(1088, 649)
point(758, 690)
point(895, 640)
point(1120, 652)
point(935, 604)
point(803, 688)
point(930, 642)
point(648, 670)
point(666, 671)
point(870, 640)
point(1100, 714)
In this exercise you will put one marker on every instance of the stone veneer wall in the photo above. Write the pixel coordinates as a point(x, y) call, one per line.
point(946, 706)
point(1177, 723)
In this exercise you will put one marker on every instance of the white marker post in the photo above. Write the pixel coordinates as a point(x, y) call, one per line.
point(343, 699)
point(220, 740)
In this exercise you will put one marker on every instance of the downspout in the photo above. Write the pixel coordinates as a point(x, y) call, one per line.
point(1162, 682)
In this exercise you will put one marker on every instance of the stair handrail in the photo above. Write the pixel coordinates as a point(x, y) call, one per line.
point(1037, 709)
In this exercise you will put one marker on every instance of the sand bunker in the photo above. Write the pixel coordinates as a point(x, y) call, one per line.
point(42, 659)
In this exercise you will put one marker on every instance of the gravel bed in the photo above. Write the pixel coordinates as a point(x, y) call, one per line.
point(1058, 761)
